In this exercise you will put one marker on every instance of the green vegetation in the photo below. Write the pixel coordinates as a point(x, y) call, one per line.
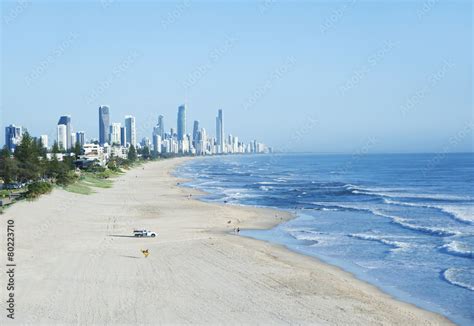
point(79, 188)
point(29, 164)
point(38, 188)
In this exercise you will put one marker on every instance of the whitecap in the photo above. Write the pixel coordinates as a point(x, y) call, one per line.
point(460, 276)
point(396, 245)
point(458, 249)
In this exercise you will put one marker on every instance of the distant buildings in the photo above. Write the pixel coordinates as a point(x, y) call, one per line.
point(123, 136)
point(114, 135)
point(80, 138)
point(161, 126)
point(130, 126)
point(181, 122)
point(195, 132)
point(44, 141)
point(115, 139)
point(62, 137)
point(220, 132)
point(13, 135)
point(104, 123)
point(64, 132)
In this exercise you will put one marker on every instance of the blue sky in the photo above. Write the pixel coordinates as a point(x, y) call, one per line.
point(385, 76)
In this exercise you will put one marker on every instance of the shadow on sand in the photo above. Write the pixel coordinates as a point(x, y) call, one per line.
point(134, 257)
point(121, 236)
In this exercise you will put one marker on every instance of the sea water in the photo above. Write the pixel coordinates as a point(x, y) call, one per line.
point(403, 222)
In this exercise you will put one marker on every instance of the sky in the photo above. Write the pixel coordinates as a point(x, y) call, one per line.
point(332, 76)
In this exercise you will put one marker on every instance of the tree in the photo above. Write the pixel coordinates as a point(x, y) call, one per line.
point(28, 156)
point(132, 154)
point(77, 149)
point(146, 152)
point(55, 149)
point(8, 166)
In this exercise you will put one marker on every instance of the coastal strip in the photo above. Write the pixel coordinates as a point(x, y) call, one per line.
point(79, 263)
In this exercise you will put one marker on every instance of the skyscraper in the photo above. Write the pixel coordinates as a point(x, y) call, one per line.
point(80, 138)
point(65, 120)
point(123, 136)
point(115, 133)
point(44, 141)
point(220, 132)
point(104, 123)
point(13, 136)
point(181, 122)
point(62, 136)
point(161, 126)
point(131, 127)
point(195, 133)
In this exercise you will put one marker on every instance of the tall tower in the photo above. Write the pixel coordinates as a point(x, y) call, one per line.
point(195, 133)
point(220, 131)
point(104, 123)
point(62, 136)
point(13, 136)
point(161, 126)
point(131, 128)
point(65, 120)
point(181, 122)
point(115, 133)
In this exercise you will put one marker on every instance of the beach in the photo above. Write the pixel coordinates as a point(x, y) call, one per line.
point(77, 262)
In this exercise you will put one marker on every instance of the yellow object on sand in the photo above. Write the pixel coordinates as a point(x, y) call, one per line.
point(145, 252)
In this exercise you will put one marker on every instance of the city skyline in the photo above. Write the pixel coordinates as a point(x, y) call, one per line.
point(114, 134)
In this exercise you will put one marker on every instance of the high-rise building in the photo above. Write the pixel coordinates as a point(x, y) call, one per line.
point(13, 135)
point(201, 142)
point(156, 143)
point(195, 132)
point(181, 122)
point(114, 134)
point(44, 141)
point(104, 124)
point(80, 138)
point(161, 126)
point(65, 120)
point(220, 132)
point(130, 125)
point(123, 136)
point(62, 136)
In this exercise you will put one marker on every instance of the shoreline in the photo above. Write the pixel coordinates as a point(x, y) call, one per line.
point(79, 264)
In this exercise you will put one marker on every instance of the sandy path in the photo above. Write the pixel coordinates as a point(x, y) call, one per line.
point(76, 264)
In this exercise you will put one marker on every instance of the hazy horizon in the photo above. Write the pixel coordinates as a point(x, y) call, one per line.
point(322, 77)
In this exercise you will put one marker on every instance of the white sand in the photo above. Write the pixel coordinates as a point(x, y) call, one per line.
point(77, 265)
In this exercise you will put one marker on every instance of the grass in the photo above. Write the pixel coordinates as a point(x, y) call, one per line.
point(88, 181)
point(79, 188)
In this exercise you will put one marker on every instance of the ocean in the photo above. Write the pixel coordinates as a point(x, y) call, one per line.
point(403, 222)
